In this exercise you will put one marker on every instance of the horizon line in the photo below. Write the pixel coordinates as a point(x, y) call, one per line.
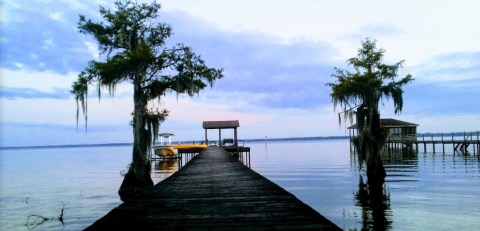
point(183, 141)
point(244, 140)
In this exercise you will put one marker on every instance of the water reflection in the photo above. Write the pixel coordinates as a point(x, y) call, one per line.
point(163, 168)
point(374, 200)
point(375, 204)
point(166, 165)
point(401, 165)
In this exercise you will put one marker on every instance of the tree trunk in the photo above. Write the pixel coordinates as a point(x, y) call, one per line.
point(138, 177)
point(375, 171)
point(370, 141)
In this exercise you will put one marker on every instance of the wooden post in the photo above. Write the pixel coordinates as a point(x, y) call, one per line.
point(473, 146)
point(206, 137)
point(453, 144)
point(219, 137)
point(471, 140)
point(478, 143)
point(443, 145)
point(433, 144)
point(236, 138)
point(424, 144)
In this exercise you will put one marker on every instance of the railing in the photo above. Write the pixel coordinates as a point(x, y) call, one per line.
point(459, 141)
point(402, 138)
point(241, 143)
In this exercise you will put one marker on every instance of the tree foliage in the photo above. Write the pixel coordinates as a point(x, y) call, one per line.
point(372, 81)
point(359, 94)
point(133, 43)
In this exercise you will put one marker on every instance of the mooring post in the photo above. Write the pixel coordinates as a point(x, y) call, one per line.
point(424, 144)
point(443, 145)
point(433, 143)
point(471, 141)
point(478, 143)
point(453, 144)
point(473, 148)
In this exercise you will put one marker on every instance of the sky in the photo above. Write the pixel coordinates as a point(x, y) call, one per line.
point(277, 56)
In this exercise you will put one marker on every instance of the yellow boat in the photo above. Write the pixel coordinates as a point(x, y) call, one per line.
point(164, 151)
point(168, 150)
point(189, 146)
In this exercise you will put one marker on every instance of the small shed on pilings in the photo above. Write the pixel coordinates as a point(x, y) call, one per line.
point(398, 131)
point(228, 124)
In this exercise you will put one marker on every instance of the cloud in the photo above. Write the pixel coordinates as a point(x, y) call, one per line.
point(444, 84)
point(446, 123)
point(14, 134)
point(268, 71)
point(29, 93)
point(459, 67)
point(41, 40)
point(253, 63)
point(276, 63)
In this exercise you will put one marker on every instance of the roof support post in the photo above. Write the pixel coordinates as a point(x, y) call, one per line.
point(206, 137)
point(236, 139)
point(219, 137)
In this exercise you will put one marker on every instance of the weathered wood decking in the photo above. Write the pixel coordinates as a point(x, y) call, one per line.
point(214, 191)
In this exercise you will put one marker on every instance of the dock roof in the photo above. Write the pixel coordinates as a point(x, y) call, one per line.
point(391, 123)
point(221, 124)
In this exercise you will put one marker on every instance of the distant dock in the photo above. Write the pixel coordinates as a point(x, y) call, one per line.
point(468, 140)
point(214, 191)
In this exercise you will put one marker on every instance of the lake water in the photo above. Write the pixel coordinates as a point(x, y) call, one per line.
point(424, 191)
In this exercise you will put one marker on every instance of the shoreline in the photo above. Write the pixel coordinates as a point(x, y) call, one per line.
point(127, 144)
point(256, 140)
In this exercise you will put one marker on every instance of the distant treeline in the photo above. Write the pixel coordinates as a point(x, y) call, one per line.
point(274, 139)
point(182, 142)
point(68, 146)
point(427, 134)
point(297, 138)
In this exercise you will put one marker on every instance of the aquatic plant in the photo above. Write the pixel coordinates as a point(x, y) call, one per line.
point(33, 221)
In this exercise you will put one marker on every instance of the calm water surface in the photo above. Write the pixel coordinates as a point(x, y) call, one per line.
point(424, 191)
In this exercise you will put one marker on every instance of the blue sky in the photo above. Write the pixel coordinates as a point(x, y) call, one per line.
point(276, 55)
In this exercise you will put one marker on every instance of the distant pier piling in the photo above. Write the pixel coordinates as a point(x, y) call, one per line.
point(469, 142)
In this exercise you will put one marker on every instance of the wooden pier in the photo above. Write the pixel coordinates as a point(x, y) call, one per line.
point(469, 140)
point(214, 191)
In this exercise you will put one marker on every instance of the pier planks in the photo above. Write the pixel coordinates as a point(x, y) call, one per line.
point(214, 191)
